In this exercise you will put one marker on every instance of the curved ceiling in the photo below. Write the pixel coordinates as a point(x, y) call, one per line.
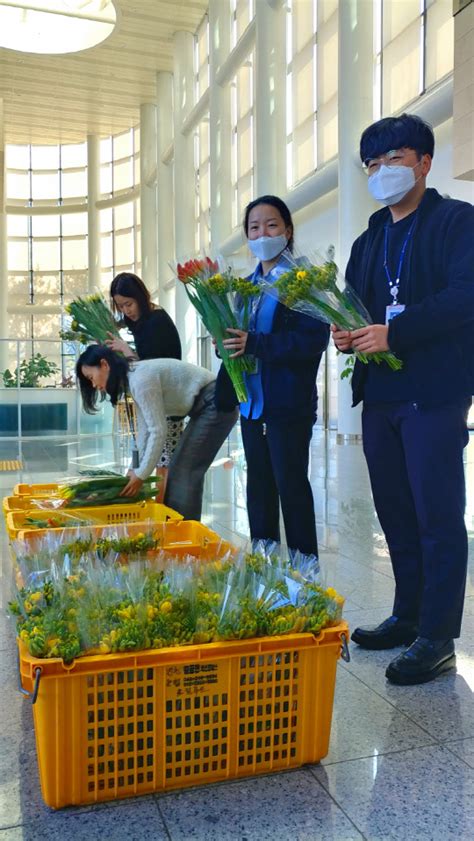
point(63, 98)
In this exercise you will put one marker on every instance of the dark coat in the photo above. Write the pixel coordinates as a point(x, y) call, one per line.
point(290, 355)
point(434, 336)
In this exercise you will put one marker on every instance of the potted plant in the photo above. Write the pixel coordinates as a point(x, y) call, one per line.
point(30, 372)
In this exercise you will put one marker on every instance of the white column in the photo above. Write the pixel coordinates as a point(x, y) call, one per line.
point(355, 112)
point(93, 222)
point(270, 98)
point(3, 250)
point(148, 204)
point(164, 137)
point(219, 125)
point(184, 184)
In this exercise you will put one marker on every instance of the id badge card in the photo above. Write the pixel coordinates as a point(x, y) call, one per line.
point(392, 311)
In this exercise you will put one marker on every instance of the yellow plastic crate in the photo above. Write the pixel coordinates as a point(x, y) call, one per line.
point(100, 514)
point(181, 537)
point(128, 724)
point(21, 503)
point(36, 490)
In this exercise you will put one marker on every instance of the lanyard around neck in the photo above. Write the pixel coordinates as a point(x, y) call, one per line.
point(395, 284)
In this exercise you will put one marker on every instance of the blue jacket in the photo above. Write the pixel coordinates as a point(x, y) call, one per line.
point(434, 335)
point(290, 355)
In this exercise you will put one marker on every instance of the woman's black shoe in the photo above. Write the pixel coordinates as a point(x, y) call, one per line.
point(423, 661)
point(388, 634)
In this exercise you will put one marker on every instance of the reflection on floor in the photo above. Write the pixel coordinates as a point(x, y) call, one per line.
point(401, 758)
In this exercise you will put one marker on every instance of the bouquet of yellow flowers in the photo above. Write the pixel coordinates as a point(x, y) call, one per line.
point(92, 320)
point(98, 606)
point(222, 301)
point(313, 289)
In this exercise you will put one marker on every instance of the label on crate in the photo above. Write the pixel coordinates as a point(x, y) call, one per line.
point(193, 679)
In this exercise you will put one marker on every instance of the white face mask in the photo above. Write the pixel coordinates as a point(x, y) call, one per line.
point(266, 248)
point(390, 184)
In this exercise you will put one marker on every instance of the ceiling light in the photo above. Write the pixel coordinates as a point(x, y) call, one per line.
point(55, 27)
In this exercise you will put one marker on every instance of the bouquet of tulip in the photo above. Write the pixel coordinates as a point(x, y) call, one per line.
point(222, 301)
point(101, 607)
point(92, 320)
point(312, 289)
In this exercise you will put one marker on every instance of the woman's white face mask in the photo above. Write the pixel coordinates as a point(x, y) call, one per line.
point(390, 184)
point(266, 248)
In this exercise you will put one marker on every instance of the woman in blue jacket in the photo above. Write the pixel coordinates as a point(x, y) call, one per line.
point(277, 420)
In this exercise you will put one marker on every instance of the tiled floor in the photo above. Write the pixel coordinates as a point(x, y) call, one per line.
point(401, 759)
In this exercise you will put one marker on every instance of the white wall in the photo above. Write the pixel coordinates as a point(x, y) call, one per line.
point(441, 175)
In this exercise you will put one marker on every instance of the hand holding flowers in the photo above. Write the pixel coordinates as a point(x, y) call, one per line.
point(92, 320)
point(312, 289)
point(224, 303)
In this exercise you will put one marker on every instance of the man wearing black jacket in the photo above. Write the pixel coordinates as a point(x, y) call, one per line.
point(414, 270)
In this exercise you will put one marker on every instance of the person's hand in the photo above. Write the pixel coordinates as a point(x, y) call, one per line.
point(119, 345)
point(237, 343)
point(133, 486)
point(371, 339)
point(342, 338)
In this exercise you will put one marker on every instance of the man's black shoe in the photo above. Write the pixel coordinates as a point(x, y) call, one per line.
point(423, 661)
point(388, 634)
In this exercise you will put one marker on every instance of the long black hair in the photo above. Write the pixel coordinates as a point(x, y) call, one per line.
point(117, 382)
point(131, 286)
point(279, 205)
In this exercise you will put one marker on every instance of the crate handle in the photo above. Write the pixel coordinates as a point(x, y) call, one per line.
point(345, 649)
point(33, 695)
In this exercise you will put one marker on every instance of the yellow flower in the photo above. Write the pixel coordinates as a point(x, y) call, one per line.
point(35, 597)
point(301, 275)
point(166, 607)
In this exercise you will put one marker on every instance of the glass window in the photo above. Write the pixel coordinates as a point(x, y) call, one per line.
point(74, 283)
point(106, 220)
point(44, 157)
point(74, 224)
point(327, 82)
point(18, 185)
point(401, 69)
point(123, 214)
point(47, 287)
point(106, 252)
point(439, 48)
point(106, 278)
point(18, 287)
point(304, 23)
point(17, 226)
point(242, 139)
point(123, 145)
point(75, 253)
point(242, 12)
point(74, 183)
point(123, 175)
point(17, 255)
point(106, 149)
point(17, 157)
point(73, 155)
point(106, 179)
point(45, 256)
point(45, 185)
point(123, 248)
point(45, 226)
point(397, 17)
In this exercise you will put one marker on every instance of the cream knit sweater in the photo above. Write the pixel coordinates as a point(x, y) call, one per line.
point(160, 388)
